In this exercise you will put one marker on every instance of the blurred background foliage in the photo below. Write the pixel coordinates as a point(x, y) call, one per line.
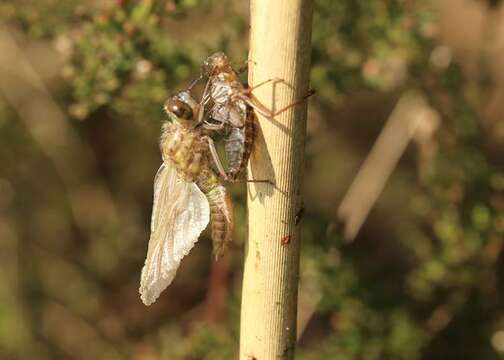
point(81, 89)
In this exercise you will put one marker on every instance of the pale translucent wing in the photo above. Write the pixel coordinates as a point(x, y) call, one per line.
point(157, 188)
point(180, 213)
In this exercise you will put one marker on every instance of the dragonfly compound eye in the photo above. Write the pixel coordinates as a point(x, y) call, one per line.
point(179, 109)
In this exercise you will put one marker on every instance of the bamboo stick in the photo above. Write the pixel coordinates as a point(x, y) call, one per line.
point(280, 47)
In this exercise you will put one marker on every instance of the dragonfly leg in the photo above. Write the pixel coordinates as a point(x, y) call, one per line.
point(209, 126)
point(252, 88)
point(296, 102)
point(215, 157)
point(250, 181)
point(261, 109)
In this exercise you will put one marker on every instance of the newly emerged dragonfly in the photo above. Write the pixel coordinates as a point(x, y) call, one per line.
point(188, 193)
point(227, 103)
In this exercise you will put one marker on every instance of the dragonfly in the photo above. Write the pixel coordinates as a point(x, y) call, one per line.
point(228, 104)
point(188, 194)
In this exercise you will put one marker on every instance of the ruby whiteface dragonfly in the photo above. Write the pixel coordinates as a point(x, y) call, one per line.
point(188, 194)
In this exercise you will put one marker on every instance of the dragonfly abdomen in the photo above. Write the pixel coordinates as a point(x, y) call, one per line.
point(221, 211)
point(235, 149)
point(239, 146)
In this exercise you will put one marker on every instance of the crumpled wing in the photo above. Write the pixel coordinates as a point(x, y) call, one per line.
point(180, 213)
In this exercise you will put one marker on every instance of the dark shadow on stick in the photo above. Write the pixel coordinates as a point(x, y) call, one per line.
point(261, 168)
point(273, 108)
point(260, 160)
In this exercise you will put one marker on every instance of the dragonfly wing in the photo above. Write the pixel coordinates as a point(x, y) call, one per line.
point(180, 213)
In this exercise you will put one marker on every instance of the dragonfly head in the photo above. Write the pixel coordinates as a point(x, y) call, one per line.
point(182, 108)
point(215, 63)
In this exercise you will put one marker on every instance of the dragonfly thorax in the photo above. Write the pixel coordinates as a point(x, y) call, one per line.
point(228, 107)
point(185, 149)
point(215, 64)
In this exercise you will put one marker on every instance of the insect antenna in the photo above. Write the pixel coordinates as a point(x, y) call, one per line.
point(194, 82)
